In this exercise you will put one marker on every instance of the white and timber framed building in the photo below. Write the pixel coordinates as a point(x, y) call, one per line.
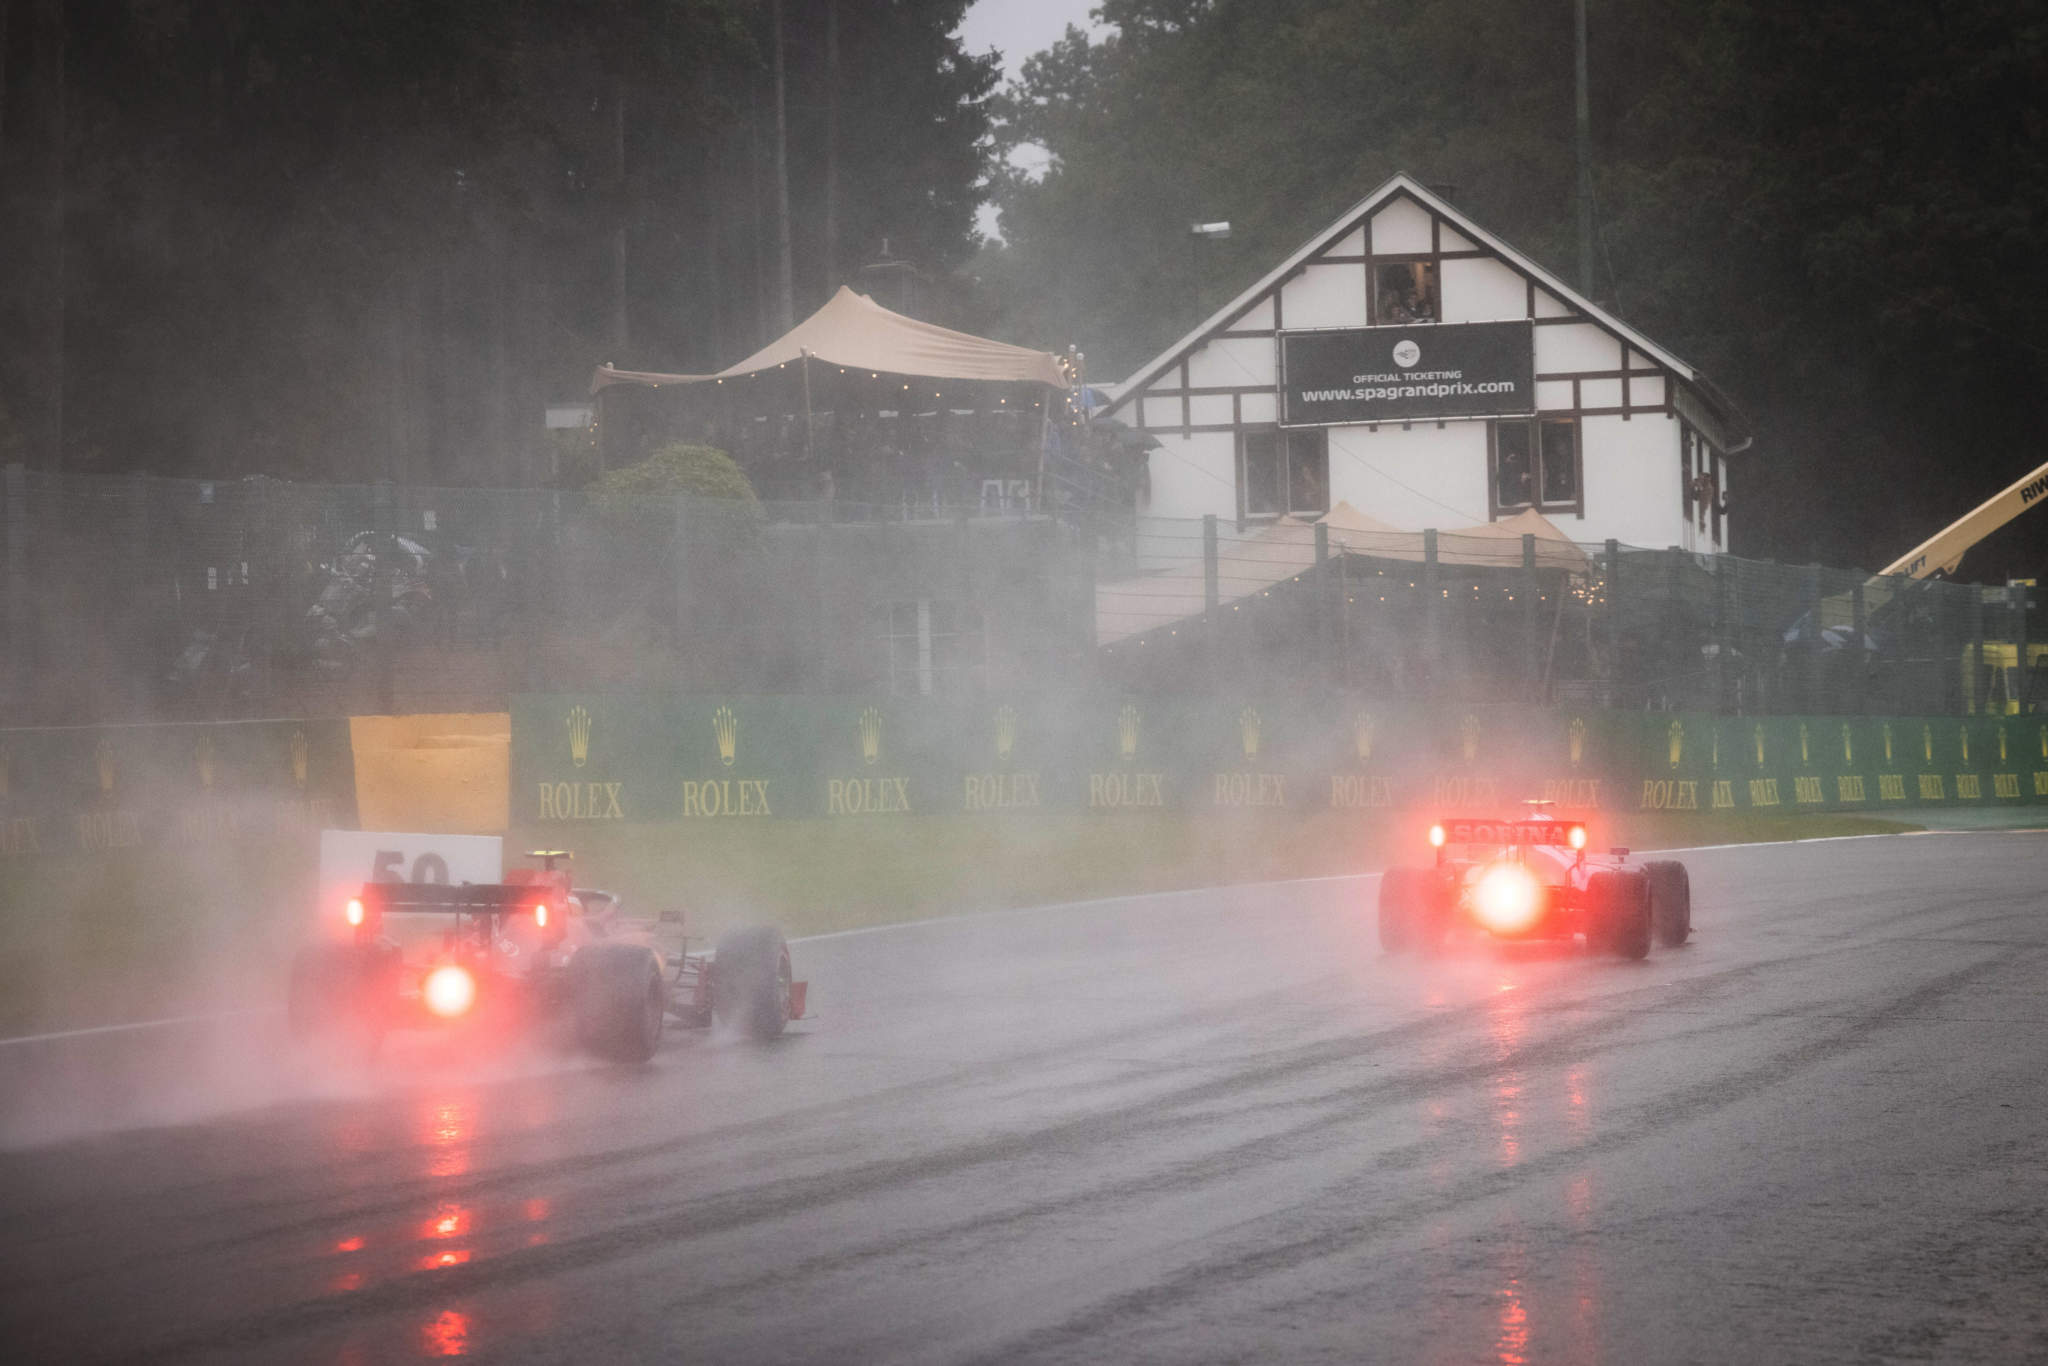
point(1408, 362)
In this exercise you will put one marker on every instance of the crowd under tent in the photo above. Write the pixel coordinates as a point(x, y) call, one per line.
point(862, 405)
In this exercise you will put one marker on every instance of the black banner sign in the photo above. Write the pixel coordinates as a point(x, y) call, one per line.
point(1392, 374)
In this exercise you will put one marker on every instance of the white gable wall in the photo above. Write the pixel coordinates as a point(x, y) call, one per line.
point(1426, 474)
point(1422, 477)
point(1632, 484)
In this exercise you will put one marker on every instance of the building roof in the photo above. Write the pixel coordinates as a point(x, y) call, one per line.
point(1350, 219)
point(854, 331)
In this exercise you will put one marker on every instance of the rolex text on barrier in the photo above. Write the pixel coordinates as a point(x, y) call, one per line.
point(588, 758)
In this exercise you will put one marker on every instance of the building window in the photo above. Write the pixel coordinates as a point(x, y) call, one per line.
point(934, 647)
point(1405, 292)
point(1284, 471)
point(1536, 464)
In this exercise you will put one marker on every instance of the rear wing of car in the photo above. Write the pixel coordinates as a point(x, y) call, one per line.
point(479, 899)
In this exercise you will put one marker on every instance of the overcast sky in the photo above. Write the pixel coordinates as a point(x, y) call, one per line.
point(1018, 28)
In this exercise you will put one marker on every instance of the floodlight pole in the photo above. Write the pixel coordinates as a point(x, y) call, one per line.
point(1585, 144)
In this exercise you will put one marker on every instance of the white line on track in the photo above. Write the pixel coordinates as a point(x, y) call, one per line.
point(1046, 907)
point(138, 1024)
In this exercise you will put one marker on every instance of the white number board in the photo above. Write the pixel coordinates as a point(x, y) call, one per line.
point(349, 858)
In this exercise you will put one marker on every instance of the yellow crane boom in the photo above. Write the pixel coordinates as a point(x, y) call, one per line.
point(1944, 550)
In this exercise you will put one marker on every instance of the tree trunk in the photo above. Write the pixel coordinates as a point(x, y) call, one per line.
point(47, 96)
point(620, 336)
point(831, 145)
point(785, 300)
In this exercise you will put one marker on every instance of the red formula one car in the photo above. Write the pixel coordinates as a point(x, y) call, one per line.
point(528, 949)
point(1533, 879)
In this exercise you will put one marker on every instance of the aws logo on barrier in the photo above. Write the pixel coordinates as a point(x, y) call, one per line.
point(868, 796)
point(711, 797)
point(584, 801)
point(1357, 791)
point(1127, 784)
point(999, 790)
point(1249, 788)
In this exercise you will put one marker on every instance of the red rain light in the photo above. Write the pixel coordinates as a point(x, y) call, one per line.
point(354, 910)
point(449, 991)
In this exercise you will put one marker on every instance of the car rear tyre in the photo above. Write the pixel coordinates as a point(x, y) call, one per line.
point(1670, 902)
point(621, 1001)
point(750, 979)
point(1621, 901)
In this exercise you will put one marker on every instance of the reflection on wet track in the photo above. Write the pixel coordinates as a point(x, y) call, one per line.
point(1205, 1127)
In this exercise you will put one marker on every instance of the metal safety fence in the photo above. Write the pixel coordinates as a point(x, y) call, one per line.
point(127, 598)
point(132, 598)
point(1531, 617)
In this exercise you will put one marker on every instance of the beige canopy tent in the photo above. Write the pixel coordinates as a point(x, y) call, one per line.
point(1279, 551)
point(854, 332)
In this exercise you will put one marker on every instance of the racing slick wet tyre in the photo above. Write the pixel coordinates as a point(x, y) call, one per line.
point(750, 979)
point(620, 999)
point(1670, 902)
point(1404, 900)
point(1621, 901)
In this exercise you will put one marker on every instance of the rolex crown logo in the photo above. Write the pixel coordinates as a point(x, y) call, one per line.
point(1963, 738)
point(578, 722)
point(1575, 735)
point(726, 727)
point(2001, 744)
point(1927, 744)
point(1887, 742)
point(1248, 732)
point(1714, 748)
point(1674, 736)
point(1759, 737)
point(1127, 732)
point(1362, 727)
point(203, 757)
point(1848, 745)
point(870, 735)
point(1006, 732)
point(103, 762)
point(299, 757)
point(1468, 737)
point(1805, 755)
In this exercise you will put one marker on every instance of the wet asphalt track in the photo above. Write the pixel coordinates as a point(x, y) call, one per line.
point(1203, 1127)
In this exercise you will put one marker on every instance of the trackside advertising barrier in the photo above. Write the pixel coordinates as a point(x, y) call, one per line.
point(579, 757)
point(89, 789)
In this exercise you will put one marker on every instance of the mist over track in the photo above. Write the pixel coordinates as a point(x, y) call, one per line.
point(1193, 1127)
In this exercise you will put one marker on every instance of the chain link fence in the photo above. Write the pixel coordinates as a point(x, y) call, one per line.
point(136, 598)
point(1531, 617)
